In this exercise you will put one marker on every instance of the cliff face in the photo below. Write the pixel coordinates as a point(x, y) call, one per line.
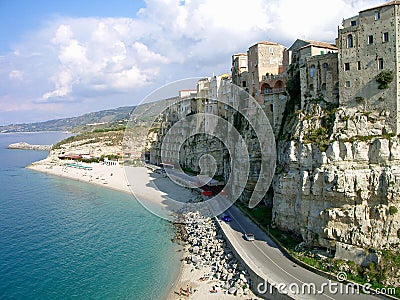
point(338, 178)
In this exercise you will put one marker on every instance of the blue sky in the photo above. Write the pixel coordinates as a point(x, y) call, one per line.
point(19, 16)
point(66, 58)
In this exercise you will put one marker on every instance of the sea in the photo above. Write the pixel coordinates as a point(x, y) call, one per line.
point(63, 239)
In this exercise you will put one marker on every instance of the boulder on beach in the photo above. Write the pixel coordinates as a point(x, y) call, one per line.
point(232, 290)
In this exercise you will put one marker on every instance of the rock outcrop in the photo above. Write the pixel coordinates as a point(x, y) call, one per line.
point(338, 178)
point(26, 146)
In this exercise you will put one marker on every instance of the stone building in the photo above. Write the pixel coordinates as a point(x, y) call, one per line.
point(264, 58)
point(368, 45)
point(319, 78)
point(273, 91)
point(239, 70)
point(301, 49)
point(184, 103)
point(314, 48)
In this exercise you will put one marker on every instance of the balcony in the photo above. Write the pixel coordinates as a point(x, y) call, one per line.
point(273, 77)
point(274, 91)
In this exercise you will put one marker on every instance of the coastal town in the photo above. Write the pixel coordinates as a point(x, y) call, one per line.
point(334, 193)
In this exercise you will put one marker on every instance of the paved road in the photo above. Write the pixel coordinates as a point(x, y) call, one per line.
point(265, 258)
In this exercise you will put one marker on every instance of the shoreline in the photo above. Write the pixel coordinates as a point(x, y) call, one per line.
point(44, 166)
point(191, 274)
point(117, 182)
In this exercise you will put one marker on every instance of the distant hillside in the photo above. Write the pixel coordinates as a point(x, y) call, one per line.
point(96, 120)
point(71, 124)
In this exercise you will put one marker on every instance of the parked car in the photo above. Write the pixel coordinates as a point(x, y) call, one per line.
point(249, 236)
point(226, 218)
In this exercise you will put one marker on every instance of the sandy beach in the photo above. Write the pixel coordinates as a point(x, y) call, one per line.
point(193, 282)
point(107, 176)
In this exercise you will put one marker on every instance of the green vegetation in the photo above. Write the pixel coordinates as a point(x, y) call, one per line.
point(345, 118)
point(110, 129)
point(389, 135)
point(154, 130)
point(369, 138)
point(293, 85)
point(218, 177)
point(359, 99)
point(398, 233)
point(111, 137)
point(294, 91)
point(393, 210)
point(318, 136)
point(189, 171)
point(384, 78)
point(366, 113)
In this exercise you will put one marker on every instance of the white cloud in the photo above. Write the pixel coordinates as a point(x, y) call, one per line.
point(107, 60)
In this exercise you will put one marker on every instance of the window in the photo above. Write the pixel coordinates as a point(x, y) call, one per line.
point(377, 15)
point(312, 71)
point(347, 66)
point(244, 83)
point(347, 84)
point(271, 50)
point(359, 65)
point(349, 41)
point(353, 23)
point(325, 65)
point(271, 108)
point(370, 39)
point(385, 37)
point(380, 64)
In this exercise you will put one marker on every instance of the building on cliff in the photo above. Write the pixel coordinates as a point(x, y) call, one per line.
point(342, 196)
point(369, 44)
point(264, 58)
point(240, 71)
point(319, 77)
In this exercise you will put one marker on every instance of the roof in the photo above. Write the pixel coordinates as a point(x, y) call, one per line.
point(266, 43)
point(382, 5)
point(240, 54)
point(319, 45)
point(307, 43)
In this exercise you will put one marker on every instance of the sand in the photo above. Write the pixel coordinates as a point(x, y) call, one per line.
point(107, 176)
point(155, 199)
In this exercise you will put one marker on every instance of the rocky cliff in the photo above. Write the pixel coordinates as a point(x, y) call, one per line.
point(338, 178)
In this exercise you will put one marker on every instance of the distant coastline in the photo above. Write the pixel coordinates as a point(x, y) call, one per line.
point(30, 132)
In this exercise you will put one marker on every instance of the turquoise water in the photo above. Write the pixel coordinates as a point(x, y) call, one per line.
point(61, 239)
